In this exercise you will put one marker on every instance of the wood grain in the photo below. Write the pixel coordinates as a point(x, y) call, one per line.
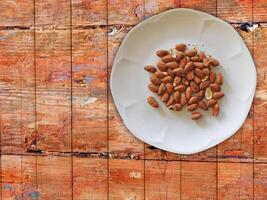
point(260, 181)
point(153, 7)
point(208, 6)
point(259, 11)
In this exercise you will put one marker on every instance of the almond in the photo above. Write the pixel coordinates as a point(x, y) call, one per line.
point(197, 80)
point(215, 87)
point(191, 52)
point(219, 79)
point(194, 87)
point(153, 88)
point(167, 59)
point(170, 73)
point(201, 55)
point(167, 79)
point(200, 95)
point(165, 97)
point(177, 107)
point(206, 71)
point(179, 55)
point(180, 88)
point(179, 72)
point(183, 63)
point(177, 97)
point(162, 89)
point(199, 73)
point(202, 105)
point(170, 101)
point(190, 75)
point(155, 80)
point(207, 63)
point(217, 95)
point(150, 69)
point(172, 65)
point(183, 99)
point(180, 47)
point(170, 88)
point(177, 80)
point(188, 93)
point(152, 101)
point(159, 74)
point(189, 66)
point(162, 53)
point(195, 59)
point(195, 115)
point(214, 62)
point(211, 102)
point(208, 93)
point(215, 110)
point(192, 107)
point(193, 100)
point(185, 81)
point(162, 66)
point(212, 76)
point(204, 85)
point(199, 65)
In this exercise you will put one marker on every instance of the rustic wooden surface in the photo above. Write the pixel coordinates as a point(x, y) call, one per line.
point(61, 136)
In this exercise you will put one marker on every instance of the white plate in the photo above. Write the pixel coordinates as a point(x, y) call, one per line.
point(175, 131)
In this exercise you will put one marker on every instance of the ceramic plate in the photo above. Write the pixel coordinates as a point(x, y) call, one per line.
point(175, 131)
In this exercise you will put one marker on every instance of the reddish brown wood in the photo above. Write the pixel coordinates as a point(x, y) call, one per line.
point(260, 181)
point(259, 11)
point(153, 7)
point(208, 6)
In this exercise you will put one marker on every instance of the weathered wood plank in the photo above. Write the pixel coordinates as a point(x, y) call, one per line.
point(162, 180)
point(260, 101)
point(90, 179)
point(16, 13)
point(198, 180)
point(259, 10)
point(235, 181)
point(89, 86)
point(235, 11)
point(54, 177)
point(126, 179)
point(208, 6)
point(153, 7)
point(85, 13)
point(125, 12)
point(260, 181)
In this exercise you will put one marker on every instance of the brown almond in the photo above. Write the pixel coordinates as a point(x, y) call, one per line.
point(155, 80)
point(204, 85)
point(190, 75)
point(153, 88)
point(194, 87)
point(162, 53)
point(150, 68)
point(197, 80)
point(215, 110)
point(195, 115)
point(172, 65)
point(180, 47)
point(167, 59)
point(162, 66)
point(177, 107)
point(177, 80)
point(162, 89)
point(183, 99)
point(183, 63)
point(206, 71)
point(195, 59)
point(217, 95)
point(211, 102)
point(170, 88)
point(193, 100)
point(219, 79)
point(203, 105)
point(201, 55)
point(191, 52)
point(200, 95)
point(189, 66)
point(185, 81)
point(212, 76)
point(170, 101)
point(167, 79)
point(159, 74)
point(215, 87)
point(214, 62)
point(188, 93)
point(207, 63)
point(179, 55)
point(177, 97)
point(180, 88)
point(192, 107)
point(170, 73)
point(179, 72)
point(199, 73)
point(199, 65)
point(165, 97)
point(152, 101)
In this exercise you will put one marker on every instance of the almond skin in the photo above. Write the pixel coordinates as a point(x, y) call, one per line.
point(195, 115)
point(195, 59)
point(192, 107)
point(206, 71)
point(214, 62)
point(194, 87)
point(201, 55)
point(202, 105)
point(170, 73)
point(212, 76)
point(177, 97)
point(167, 79)
point(180, 47)
point(162, 89)
point(185, 81)
point(179, 72)
point(183, 99)
point(152, 101)
point(170, 88)
point(180, 88)
point(216, 110)
point(159, 74)
point(204, 85)
point(211, 102)
point(170, 101)
point(150, 69)
point(177, 80)
point(167, 59)
point(219, 79)
point(199, 73)
point(190, 75)
point(188, 93)
point(153, 88)
point(177, 107)
point(162, 66)
point(200, 95)
point(172, 65)
point(193, 100)
point(197, 80)
point(215, 87)
point(217, 95)
point(189, 66)
point(191, 52)
point(162, 53)
point(199, 65)
point(179, 55)
point(183, 63)
point(165, 97)
point(155, 80)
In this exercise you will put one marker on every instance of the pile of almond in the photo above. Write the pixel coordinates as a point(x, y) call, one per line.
point(185, 78)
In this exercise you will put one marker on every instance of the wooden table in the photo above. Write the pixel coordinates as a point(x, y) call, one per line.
point(61, 136)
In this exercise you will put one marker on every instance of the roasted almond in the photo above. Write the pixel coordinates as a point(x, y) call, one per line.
point(155, 80)
point(199, 65)
point(211, 102)
point(162, 66)
point(194, 87)
point(177, 107)
point(201, 55)
point(195, 115)
point(215, 87)
point(170, 101)
point(179, 72)
point(150, 69)
point(193, 100)
point(177, 80)
point(188, 93)
point(179, 55)
point(152, 101)
point(191, 52)
point(190, 75)
point(170, 73)
point(165, 97)
point(162, 89)
point(183, 99)
point(212, 76)
point(203, 105)
point(185, 81)
point(167, 79)
point(192, 107)
point(197, 80)
point(180, 88)
point(183, 63)
point(217, 95)
point(189, 66)
point(204, 85)
point(170, 88)
point(200, 95)
point(180, 47)
point(172, 65)
point(159, 74)
point(177, 97)
point(167, 58)
point(153, 88)
point(195, 59)
point(199, 73)
point(206, 71)
point(219, 79)
point(214, 62)
point(162, 53)
point(215, 110)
